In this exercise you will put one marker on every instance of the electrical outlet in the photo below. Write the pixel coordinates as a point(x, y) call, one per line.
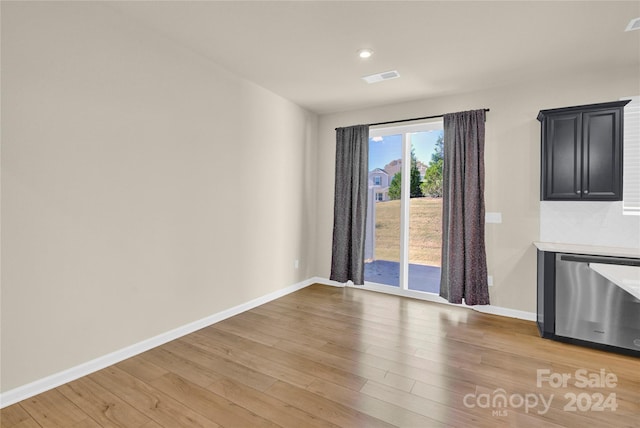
point(296, 264)
point(490, 280)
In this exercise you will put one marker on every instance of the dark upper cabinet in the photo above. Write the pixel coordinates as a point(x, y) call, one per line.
point(582, 152)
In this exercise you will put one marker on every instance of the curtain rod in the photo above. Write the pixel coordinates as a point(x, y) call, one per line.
point(409, 120)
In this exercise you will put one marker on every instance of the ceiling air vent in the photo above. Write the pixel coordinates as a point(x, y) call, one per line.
point(634, 24)
point(374, 78)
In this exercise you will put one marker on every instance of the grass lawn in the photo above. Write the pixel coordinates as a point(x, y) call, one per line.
point(425, 231)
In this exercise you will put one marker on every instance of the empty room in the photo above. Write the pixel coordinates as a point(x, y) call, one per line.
point(320, 214)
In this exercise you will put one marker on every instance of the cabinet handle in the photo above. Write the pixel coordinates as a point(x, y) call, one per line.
point(578, 192)
point(586, 191)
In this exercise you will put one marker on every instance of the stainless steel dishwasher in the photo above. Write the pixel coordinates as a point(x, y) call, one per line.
point(597, 299)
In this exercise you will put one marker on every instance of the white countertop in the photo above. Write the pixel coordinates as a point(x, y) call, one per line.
point(558, 247)
point(625, 277)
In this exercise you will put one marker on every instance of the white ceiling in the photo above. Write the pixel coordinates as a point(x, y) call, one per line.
point(306, 50)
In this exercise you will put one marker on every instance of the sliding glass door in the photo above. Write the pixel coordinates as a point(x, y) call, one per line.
point(404, 216)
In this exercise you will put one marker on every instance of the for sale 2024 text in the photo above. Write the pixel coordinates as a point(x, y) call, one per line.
point(589, 400)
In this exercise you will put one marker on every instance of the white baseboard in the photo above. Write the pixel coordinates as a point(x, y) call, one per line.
point(325, 281)
point(506, 312)
point(487, 309)
point(41, 385)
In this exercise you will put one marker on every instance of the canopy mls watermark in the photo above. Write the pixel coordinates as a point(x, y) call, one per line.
point(596, 396)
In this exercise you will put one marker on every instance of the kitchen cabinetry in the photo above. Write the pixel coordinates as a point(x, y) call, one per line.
point(581, 152)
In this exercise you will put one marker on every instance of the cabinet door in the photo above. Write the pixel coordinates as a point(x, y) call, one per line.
point(562, 157)
point(601, 155)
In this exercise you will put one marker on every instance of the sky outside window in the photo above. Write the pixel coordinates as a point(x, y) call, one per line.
point(388, 147)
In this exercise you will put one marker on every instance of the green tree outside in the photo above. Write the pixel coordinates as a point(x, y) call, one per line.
point(432, 183)
point(415, 186)
point(438, 151)
point(415, 190)
point(395, 186)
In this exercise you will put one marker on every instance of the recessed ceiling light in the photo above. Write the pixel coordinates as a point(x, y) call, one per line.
point(365, 53)
point(634, 24)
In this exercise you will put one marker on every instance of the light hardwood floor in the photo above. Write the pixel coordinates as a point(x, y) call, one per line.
point(326, 357)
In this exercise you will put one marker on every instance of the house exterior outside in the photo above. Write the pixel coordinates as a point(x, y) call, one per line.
point(395, 166)
point(379, 184)
point(380, 179)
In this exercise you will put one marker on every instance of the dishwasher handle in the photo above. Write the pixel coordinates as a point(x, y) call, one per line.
point(600, 259)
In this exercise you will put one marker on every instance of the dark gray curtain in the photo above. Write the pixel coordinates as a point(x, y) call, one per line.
point(350, 204)
point(464, 260)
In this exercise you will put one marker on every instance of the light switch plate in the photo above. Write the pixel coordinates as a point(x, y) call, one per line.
point(493, 217)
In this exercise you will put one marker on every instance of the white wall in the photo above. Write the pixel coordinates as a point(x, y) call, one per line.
point(512, 157)
point(134, 193)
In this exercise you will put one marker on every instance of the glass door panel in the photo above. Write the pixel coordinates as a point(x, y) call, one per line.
point(382, 236)
point(425, 211)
